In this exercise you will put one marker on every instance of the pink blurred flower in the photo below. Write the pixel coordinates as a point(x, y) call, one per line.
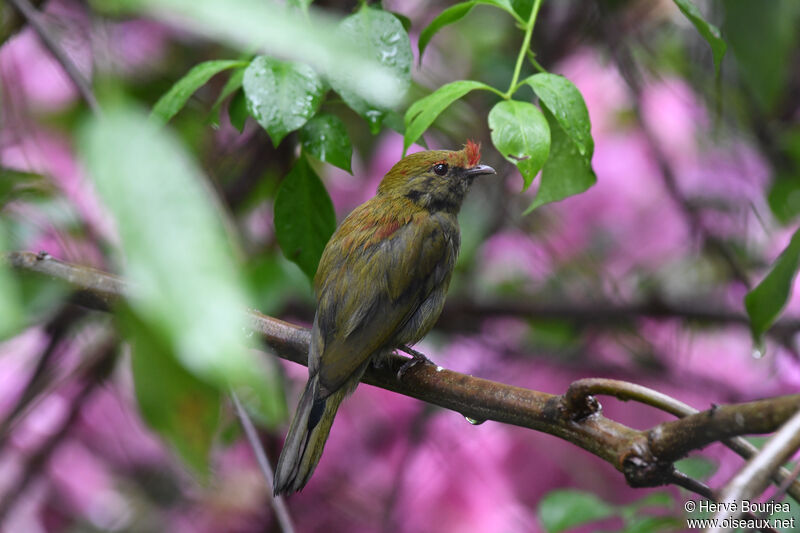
point(673, 113)
point(137, 46)
point(514, 256)
point(111, 420)
point(16, 364)
point(627, 216)
point(49, 154)
point(84, 485)
point(34, 77)
point(602, 88)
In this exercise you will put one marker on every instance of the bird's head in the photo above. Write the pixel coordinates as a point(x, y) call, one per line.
point(436, 180)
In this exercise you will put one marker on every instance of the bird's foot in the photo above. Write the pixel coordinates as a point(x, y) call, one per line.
point(416, 358)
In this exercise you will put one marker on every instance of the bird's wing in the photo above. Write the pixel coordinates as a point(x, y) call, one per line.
point(366, 295)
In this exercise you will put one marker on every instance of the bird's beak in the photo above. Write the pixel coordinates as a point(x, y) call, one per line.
point(479, 170)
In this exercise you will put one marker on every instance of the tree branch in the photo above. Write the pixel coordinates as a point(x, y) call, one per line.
point(579, 393)
point(751, 480)
point(462, 313)
point(102, 359)
point(278, 502)
point(33, 17)
point(634, 453)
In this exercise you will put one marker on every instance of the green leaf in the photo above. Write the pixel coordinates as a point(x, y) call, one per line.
point(16, 184)
point(560, 510)
point(454, 14)
point(765, 303)
point(565, 101)
point(654, 524)
point(696, 467)
point(325, 137)
point(185, 285)
point(566, 172)
point(404, 20)
point(177, 96)
point(281, 96)
point(448, 16)
point(522, 8)
point(521, 134)
point(708, 31)
point(11, 309)
point(383, 36)
point(312, 38)
point(302, 4)
point(183, 409)
point(233, 84)
point(425, 110)
point(304, 217)
point(237, 111)
point(763, 37)
point(784, 197)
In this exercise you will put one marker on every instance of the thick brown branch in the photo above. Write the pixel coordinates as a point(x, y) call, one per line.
point(580, 400)
point(627, 449)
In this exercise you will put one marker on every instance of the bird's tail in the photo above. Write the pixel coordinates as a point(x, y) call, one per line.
point(306, 438)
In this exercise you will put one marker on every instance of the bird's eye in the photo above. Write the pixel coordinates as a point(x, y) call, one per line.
point(440, 169)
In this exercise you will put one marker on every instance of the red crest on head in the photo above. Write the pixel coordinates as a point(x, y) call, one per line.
point(473, 153)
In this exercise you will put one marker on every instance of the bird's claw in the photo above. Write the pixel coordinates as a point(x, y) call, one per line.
point(416, 358)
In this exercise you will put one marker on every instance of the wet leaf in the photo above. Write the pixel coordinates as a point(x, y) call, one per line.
point(11, 308)
point(566, 172)
point(561, 510)
point(186, 287)
point(281, 95)
point(566, 103)
point(237, 111)
point(311, 38)
point(325, 137)
point(763, 38)
point(424, 111)
point(183, 409)
point(707, 31)
point(304, 217)
point(765, 303)
point(383, 35)
point(521, 134)
point(177, 96)
point(233, 84)
point(455, 13)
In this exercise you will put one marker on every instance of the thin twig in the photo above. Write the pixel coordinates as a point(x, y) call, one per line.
point(698, 487)
point(751, 480)
point(103, 360)
point(278, 502)
point(34, 20)
point(783, 488)
point(621, 56)
point(56, 328)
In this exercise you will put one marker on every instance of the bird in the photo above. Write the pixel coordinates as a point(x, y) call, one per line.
point(380, 285)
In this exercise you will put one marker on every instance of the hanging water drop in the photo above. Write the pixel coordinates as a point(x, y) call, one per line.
point(759, 350)
point(474, 421)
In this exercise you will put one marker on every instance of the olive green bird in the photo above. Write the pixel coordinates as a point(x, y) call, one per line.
point(380, 284)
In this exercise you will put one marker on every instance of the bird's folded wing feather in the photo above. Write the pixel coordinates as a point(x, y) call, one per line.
point(368, 294)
